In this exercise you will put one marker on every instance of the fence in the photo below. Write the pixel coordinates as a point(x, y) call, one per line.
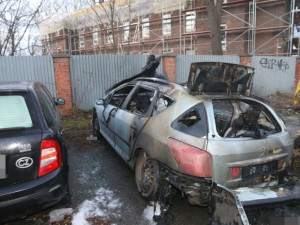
point(91, 75)
point(29, 68)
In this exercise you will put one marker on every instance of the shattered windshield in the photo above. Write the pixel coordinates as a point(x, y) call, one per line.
point(237, 118)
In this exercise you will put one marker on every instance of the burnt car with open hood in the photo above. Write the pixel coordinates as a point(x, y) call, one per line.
point(33, 157)
point(209, 140)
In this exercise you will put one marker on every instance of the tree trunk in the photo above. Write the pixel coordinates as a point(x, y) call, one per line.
point(214, 9)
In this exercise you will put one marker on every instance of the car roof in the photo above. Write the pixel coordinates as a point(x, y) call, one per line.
point(163, 85)
point(16, 86)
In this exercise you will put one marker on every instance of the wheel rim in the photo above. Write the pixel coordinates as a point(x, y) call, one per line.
point(146, 174)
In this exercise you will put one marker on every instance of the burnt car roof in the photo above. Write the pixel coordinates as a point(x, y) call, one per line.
point(16, 86)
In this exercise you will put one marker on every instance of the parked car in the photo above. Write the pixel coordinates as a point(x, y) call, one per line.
point(33, 157)
point(210, 132)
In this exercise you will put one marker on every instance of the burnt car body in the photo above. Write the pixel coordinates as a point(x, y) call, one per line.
point(206, 137)
point(33, 157)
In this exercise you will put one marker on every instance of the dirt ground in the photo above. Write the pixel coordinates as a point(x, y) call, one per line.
point(103, 187)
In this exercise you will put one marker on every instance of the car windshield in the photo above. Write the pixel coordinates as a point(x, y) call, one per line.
point(243, 118)
point(14, 112)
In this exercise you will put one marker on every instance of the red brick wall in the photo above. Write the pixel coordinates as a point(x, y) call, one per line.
point(297, 75)
point(169, 67)
point(245, 60)
point(63, 83)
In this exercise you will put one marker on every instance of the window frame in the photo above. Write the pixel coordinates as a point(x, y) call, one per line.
point(190, 17)
point(166, 25)
point(95, 36)
point(125, 99)
point(81, 39)
point(223, 40)
point(126, 31)
point(145, 28)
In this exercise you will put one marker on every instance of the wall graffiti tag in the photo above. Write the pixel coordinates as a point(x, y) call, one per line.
point(271, 63)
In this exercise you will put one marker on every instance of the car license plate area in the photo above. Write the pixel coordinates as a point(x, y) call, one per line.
point(2, 167)
point(260, 169)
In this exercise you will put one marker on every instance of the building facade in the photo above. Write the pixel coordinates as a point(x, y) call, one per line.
point(248, 27)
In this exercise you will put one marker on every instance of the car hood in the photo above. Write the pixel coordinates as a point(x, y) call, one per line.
point(218, 77)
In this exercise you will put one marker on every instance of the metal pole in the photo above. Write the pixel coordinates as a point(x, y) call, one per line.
point(179, 2)
point(291, 27)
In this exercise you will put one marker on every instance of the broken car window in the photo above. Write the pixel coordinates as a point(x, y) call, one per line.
point(235, 118)
point(119, 96)
point(192, 122)
point(141, 101)
point(162, 103)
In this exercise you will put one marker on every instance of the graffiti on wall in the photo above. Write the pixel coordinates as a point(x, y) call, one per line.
point(271, 63)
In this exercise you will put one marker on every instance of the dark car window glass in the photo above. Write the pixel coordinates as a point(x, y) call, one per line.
point(47, 107)
point(49, 99)
point(192, 122)
point(14, 112)
point(119, 96)
point(141, 101)
point(162, 103)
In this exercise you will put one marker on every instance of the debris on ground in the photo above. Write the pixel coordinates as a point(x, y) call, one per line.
point(59, 214)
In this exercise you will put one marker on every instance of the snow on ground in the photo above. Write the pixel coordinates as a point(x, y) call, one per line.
point(105, 205)
point(149, 213)
point(59, 214)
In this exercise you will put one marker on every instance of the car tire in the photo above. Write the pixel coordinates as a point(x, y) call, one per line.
point(96, 126)
point(147, 176)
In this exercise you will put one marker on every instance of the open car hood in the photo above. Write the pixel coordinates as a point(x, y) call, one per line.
point(218, 77)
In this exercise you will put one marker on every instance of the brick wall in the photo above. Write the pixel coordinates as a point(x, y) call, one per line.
point(169, 67)
point(297, 75)
point(63, 82)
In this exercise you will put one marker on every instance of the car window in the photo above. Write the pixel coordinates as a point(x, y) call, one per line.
point(141, 101)
point(14, 112)
point(119, 96)
point(162, 103)
point(48, 106)
point(192, 122)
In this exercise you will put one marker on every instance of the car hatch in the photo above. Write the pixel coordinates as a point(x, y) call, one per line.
point(20, 139)
point(217, 77)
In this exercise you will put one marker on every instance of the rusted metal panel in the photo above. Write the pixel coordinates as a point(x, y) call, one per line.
point(273, 74)
point(183, 63)
point(28, 68)
point(91, 75)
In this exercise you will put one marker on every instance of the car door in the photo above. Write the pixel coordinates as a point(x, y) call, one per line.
point(108, 115)
point(131, 118)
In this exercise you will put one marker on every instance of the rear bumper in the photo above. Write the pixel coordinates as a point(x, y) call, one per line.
point(26, 198)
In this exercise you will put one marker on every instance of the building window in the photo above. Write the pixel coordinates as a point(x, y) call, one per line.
point(57, 33)
point(109, 37)
point(224, 1)
point(223, 36)
point(81, 39)
point(145, 28)
point(190, 21)
point(166, 25)
point(58, 50)
point(126, 31)
point(95, 36)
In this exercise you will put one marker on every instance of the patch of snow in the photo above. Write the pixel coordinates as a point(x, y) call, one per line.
point(149, 213)
point(59, 214)
point(105, 205)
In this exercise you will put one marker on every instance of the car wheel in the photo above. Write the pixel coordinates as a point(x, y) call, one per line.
point(147, 176)
point(96, 126)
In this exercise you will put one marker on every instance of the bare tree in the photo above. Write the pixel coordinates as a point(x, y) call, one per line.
point(110, 10)
point(214, 9)
point(16, 17)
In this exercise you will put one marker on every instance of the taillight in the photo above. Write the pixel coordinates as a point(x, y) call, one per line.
point(235, 172)
point(191, 160)
point(50, 158)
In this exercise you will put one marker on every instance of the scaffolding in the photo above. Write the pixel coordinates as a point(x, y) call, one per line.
point(281, 25)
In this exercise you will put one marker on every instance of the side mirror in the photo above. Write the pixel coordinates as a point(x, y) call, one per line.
point(60, 101)
point(100, 102)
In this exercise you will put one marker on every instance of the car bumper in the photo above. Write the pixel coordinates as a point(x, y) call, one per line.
point(196, 189)
point(23, 199)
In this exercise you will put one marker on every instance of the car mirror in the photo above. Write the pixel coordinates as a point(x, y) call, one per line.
point(60, 101)
point(100, 102)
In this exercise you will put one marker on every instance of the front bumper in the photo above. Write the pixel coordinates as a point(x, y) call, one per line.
point(26, 198)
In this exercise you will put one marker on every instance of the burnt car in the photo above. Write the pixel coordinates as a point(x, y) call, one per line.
point(204, 139)
point(33, 157)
